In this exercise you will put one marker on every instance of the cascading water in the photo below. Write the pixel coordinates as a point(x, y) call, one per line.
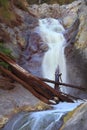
point(45, 120)
point(51, 32)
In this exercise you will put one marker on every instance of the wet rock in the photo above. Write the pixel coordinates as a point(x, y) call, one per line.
point(78, 120)
point(35, 120)
point(17, 100)
point(76, 56)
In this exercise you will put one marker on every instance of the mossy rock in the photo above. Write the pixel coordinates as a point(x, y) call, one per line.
point(5, 50)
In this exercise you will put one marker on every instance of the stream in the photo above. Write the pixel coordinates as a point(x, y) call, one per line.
point(51, 32)
point(42, 120)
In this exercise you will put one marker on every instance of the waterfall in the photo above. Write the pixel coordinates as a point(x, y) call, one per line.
point(51, 32)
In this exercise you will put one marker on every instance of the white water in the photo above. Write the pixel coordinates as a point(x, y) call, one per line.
point(51, 32)
point(45, 120)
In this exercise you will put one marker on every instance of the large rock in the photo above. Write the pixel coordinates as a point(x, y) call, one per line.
point(16, 100)
point(76, 54)
point(77, 120)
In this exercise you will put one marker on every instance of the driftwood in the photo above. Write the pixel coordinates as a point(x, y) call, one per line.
point(35, 85)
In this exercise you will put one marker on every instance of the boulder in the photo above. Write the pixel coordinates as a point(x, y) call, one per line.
point(76, 54)
point(16, 100)
point(77, 120)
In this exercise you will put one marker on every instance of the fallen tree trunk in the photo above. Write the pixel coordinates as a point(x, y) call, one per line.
point(64, 84)
point(37, 87)
point(12, 76)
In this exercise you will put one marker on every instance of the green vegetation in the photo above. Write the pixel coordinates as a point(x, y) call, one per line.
point(7, 52)
point(4, 4)
point(5, 65)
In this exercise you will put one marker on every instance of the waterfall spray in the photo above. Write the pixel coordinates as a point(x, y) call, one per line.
point(51, 32)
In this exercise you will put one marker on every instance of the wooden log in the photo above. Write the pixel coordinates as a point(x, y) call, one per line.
point(64, 84)
point(73, 97)
point(12, 76)
point(34, 81)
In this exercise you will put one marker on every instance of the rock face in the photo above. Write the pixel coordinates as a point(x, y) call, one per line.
point(78, 120)
point(16, 100)
point(32, 57)
point(76, 53)
point(45, 10)
point(12, 101)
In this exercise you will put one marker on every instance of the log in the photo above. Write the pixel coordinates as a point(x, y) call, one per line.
point(12, 76)
point(64, 84)
point(73, 97)
point(35, 83)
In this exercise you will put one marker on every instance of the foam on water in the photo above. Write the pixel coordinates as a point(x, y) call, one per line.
point(51, 32)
